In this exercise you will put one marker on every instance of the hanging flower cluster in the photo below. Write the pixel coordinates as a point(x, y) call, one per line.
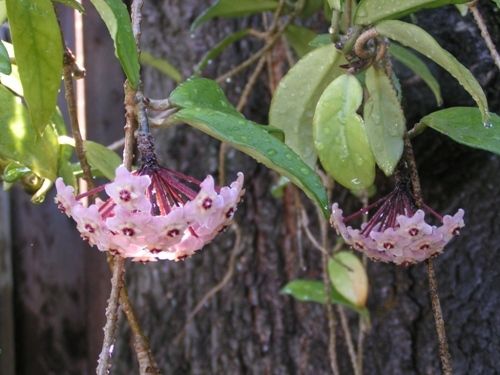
point(397, 232)
point(152, 213)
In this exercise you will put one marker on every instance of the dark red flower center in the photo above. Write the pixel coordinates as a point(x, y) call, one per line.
point(413, 232)
point(173, 233)
point(207, 203)
point(89, 228)
point(125, 195)
point(128, 232)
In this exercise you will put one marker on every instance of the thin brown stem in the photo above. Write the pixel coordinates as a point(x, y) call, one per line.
point(348, 339)
point(117, 282)
point(330, 313)
point(485, 33)
point(69, 93)
point(444, 352)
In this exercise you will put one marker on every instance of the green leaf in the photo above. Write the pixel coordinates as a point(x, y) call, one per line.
point(231, 8)
point(311, 7)
point(314, 291)
point(336, 4)
point(299, 38)
point(15, 171)
point(3, 12)
point(102, 158)
point(39, 54)
point(384, 119)
point(348, 277)
point(418, 39)
point(20, 142)
point(463, 9)
point(321, 40)
point(371, 11)
point(340, 136)
point(294, 101)
point(219, 48)
point(73, 4)
point(497, 3)
point(415, 64)
point(465, 125)
point(5, 66)
point(206, 108)
point(163, 65)
point(115, 15)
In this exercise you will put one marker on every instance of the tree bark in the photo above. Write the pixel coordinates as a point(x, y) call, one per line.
point(249, 327)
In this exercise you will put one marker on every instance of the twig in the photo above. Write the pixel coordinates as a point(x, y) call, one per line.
point(485, 33)
point(330, 314)
point(218, 287)
point(117, 282)
point(444, 352)
point(305, 225)
point(69, 94)
point(348, 340)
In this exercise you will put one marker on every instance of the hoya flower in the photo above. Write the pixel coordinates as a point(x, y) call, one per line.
point(152, 213)
point(397, 232)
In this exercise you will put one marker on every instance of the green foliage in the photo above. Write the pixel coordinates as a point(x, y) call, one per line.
point(294, 102)
point(14, 171)
point(219, 48)
point(311, 7)
point(3, 12)
point(314, 291)
point(73, 4)
point(371, 11)
point(340, 136)
point(418, 39)
point(414, 63)
point(163, 65)
point(5, 66)
point(231, 8)
point(299, 38)
point(20, 141)
point(384, 119)
point(205, 107)
point(102, 158)
point(465, 125)
point(115, 15)
point(348, 277)
point(39, 54)
point(321, 40)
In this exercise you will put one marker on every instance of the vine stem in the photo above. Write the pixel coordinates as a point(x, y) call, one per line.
point(485, 33)
point(444, 352)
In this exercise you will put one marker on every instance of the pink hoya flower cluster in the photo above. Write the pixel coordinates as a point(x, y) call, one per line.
point(397, 232)
point(152, 213)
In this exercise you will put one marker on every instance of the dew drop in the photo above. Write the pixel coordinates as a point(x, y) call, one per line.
point(488, 124)
point(271, 152)
point(229, 80)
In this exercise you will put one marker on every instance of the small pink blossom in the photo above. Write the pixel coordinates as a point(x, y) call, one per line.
point(153, 213)
point(397, 232)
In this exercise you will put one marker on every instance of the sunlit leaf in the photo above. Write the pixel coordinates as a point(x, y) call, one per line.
point(418, 39)
point(384, 120)
point(215, 51)
point(73, 4)
point(3, 12)
point(231, 8)
point(39, 53)
point(163, 65)
point(314, 291)
point(463, 9)
point(371, 11)
point(205, 107)
point(415, 64)
point(348, 277)
point(115, 15)
point(465, 125)
point(102, 158)
point(14, 171)
point(340, 136)
point(294, 102)
point(299, 38)
point(5, 66)
point(20, 142)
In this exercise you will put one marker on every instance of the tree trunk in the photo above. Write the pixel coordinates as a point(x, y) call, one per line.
point(249, 327)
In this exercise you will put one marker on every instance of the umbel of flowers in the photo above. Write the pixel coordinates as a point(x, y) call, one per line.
point(152, 213)
point(397, 232)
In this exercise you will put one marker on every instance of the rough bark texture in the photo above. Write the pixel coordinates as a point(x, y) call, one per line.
point(249, 327)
